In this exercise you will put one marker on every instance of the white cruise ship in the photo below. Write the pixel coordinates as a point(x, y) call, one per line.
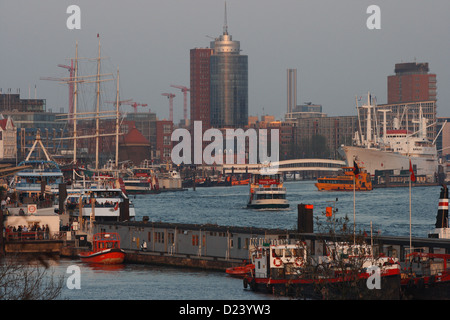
point(394, 149)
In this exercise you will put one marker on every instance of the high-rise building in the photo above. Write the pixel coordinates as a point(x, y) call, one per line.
point(199, 73)
point(291, 90)
point(411, 83)
point(228, 82)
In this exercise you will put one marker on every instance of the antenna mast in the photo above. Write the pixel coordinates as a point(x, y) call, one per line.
point(225, 25)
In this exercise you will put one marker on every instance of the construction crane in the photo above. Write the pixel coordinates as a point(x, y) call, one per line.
point(71, 69)
point(184, 90)
point(69, 81)
point(170, 96)
point(135, 105)
point(130, 103)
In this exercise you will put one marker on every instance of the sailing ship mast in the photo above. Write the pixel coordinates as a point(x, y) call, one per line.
point(97, 113)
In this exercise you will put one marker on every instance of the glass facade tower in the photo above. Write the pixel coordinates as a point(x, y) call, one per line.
point(228, 83)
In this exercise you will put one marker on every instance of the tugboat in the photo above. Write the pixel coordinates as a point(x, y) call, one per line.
point(267, 192)
point(345, 182)
point(286, 269)
point(427, 274)
point(105, 250)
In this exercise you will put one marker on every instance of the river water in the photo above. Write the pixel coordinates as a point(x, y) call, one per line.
point(387, 209)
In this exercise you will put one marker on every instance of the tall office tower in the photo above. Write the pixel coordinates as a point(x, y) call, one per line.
point(200, 105)
point(228, 82)
point(291, 90)
point(411, 83)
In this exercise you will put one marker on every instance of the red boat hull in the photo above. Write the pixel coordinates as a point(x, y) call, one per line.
point(240, 271)
point(109, 256)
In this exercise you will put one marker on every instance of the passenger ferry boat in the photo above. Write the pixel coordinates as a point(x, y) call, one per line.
point(287, 269)
point(105, 250)
point(141, 180)
point(267, 192)
point(100, 203)
point(345, 182)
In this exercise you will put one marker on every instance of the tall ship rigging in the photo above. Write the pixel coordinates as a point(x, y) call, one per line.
point(96, 199)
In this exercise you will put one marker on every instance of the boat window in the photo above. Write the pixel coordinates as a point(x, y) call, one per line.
point(287, 253)
point(277, 252)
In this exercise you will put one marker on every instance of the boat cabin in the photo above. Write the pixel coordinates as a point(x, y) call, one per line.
point(103, 241)
point(279, 260)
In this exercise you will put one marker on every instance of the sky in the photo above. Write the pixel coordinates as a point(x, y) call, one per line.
point(336, 55)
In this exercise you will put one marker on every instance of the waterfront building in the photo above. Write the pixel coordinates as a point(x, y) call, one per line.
point(8, 140)
point(200, 86)
point(228, 82)
point(12, 102)
point(164, 144)
point(411, 83)
point(320, 137)
point(307, 110)
point(443, 139)
point(134, 147)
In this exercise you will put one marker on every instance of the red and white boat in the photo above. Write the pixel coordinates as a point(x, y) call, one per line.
point(105, 250)
point(286, 269)
point(427, 275)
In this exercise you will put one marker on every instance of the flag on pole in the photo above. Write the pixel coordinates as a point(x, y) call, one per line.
point(355, 168)
point(413, 177)
point(116, 207)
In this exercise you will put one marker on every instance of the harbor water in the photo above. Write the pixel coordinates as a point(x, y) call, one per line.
point(387, 210)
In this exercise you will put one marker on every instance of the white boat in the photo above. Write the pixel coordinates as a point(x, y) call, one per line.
point(394, 149)
point(267, 192)
point(141, 180)
point(99, 204)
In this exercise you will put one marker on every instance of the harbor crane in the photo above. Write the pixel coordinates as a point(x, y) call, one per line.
point(170, 96)
point(184, 90)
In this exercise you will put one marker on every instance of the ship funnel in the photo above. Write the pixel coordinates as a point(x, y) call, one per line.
point(442, 215)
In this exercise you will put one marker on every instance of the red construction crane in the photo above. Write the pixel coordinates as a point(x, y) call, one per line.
point(184, 90)
point(71, 75)
point(130, 103)
point(70, 82)
point(170, 96)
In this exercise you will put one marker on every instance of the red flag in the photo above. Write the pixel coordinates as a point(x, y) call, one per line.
point(355, 168)
point(413, 177)
point(329, 211)
point(116, 207)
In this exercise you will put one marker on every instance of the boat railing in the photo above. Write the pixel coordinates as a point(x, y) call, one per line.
point(270, 189)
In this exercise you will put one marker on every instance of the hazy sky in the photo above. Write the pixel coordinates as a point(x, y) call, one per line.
point(336, 56)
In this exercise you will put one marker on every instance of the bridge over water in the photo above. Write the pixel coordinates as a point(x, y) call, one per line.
point(295, 165)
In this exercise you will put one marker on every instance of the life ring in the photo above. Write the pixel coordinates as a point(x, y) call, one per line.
point(277, 262)
point(32, 209)
point(299, 262)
